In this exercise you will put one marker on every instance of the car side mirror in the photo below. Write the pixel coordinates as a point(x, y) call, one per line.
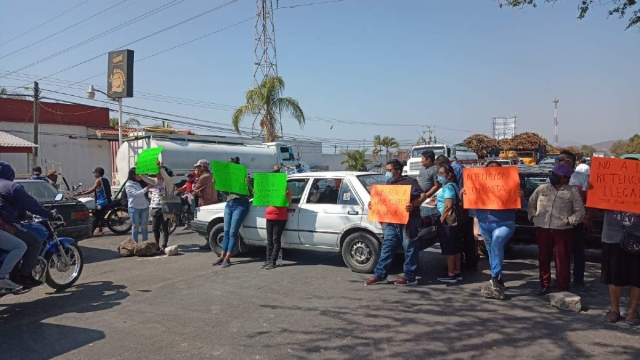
point(58, 197)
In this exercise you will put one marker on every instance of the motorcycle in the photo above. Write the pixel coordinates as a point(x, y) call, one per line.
point(60, 262)
point(115, 219)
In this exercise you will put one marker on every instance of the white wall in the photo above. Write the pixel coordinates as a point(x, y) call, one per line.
point(66, 145)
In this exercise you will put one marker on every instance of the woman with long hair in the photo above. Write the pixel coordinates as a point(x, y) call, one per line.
point(162, 185)
point(138, 205)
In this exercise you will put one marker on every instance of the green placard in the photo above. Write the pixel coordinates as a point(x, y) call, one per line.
point(230, 177)
point(270, 189)
point(147, 162)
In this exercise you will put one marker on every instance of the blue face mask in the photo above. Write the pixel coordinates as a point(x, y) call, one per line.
point(442, 180)
point(389, 176)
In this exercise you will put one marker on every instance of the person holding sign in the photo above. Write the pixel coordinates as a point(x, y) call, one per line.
point(138, 205)
point(276, 221)
point(555, 208)
point(402, 233)
point(162, 185)
point(235, 210)
point(496, 228)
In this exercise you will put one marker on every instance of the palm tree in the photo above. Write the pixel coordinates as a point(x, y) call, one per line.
point(131, 122)
point(266, 99)
point(385, 143)
point(356, 160)
point(113, 122)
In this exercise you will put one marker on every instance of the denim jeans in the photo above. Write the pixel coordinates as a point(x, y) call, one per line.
point(15, 248)
point(234, 214)
point(139, 222)
point(495, 235)
point(394, 235)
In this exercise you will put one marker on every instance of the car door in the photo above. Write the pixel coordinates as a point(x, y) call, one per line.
point(330, 206)
point(255, 224)
point(297, 187)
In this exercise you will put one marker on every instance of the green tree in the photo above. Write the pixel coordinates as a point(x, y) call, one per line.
point(633, 144)
point(587, 150)
point(356, 160)
point(618, 148)
point(386, 143)
point(131, 122)
point(618, 8)
point(113, 122)
point(3, 91)
point(266, 99)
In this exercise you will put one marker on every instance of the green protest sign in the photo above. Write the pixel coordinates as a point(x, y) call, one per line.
point(147, 161)
point(230, 177)
point(269, 189)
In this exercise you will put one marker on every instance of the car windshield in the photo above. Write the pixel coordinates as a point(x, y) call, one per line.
point(373, 179)
point(40, 190)
point(438, 150)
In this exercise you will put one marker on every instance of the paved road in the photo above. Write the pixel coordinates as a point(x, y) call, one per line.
point(311, 308)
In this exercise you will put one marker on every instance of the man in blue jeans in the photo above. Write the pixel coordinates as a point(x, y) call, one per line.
point(396, 234)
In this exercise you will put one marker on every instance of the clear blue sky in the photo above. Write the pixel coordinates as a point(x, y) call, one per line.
point(452, 64)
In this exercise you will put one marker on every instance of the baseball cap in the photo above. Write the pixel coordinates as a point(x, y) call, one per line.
point(235, 159)
point(562, 170)
point(276, 168)
point(202, 162)
point(36, 170)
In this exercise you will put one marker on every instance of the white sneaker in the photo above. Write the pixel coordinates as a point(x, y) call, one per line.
point(8, 284)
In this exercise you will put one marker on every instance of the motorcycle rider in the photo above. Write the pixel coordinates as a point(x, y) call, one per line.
point(14, 202)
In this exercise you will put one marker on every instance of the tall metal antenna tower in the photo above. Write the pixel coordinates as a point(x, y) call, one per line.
point(556, 142)
point(504, 128)
point(266, 62)
point(265, 59)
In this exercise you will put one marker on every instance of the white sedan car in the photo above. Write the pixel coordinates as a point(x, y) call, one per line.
point(328, 211)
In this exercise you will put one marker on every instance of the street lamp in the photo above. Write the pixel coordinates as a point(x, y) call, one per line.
point(91, 94)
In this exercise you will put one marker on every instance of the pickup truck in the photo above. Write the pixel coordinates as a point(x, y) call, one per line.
point(328, 212)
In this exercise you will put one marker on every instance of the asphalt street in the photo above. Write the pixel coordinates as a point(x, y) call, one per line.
point(313, 307)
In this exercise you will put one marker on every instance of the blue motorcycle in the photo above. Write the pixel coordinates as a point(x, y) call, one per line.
point(60, 262)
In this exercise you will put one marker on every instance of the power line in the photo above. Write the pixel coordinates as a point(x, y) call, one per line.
point(144, 37)
point(102, 34)
point(309, 4)
point(43, 24)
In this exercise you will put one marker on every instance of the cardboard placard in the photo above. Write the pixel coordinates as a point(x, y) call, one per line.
point(270, 189)
point(147, 161)
point(388, 203)
point(491, 188)
point(616, 185)
point(230, 177)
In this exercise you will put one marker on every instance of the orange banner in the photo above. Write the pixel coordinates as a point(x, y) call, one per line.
point(491, 188)
point(616, 185)
point(389, 202)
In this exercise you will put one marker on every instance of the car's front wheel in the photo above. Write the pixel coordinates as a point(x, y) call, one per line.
point(361, 252)
point(216, 236)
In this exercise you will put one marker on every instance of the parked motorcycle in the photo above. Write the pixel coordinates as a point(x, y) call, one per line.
point(60, 262)
point(117, 217)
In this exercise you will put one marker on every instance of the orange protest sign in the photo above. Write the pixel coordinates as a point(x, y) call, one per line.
point(491, 188)
point(389, 202)
point(616, 185)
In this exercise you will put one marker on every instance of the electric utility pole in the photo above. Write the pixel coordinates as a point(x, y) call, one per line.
point(36, 121)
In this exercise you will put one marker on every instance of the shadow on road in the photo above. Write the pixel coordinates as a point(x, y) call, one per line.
point(27, 331)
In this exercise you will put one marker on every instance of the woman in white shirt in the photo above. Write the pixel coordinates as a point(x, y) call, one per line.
point(138, 205)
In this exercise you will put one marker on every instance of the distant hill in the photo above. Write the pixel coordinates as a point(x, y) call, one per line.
point(604, 145)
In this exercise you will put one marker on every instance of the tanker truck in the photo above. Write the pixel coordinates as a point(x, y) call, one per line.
point(182, 151)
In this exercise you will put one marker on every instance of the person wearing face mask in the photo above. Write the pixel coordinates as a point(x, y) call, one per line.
point(449, 235)
point(397, 234)
point(555, 208)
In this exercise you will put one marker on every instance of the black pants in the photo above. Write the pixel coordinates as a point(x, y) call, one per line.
point(98, 216)
point(469, 244)
point(157, 221)
point(275, 228)
point(579, 261)
point(30, 257)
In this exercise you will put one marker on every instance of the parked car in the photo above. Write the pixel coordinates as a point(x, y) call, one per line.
point(525, 232)
point(75, 213)
point(328, 211)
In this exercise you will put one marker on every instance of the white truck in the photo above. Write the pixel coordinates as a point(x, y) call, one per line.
point(182, 151)
point(462, 154)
